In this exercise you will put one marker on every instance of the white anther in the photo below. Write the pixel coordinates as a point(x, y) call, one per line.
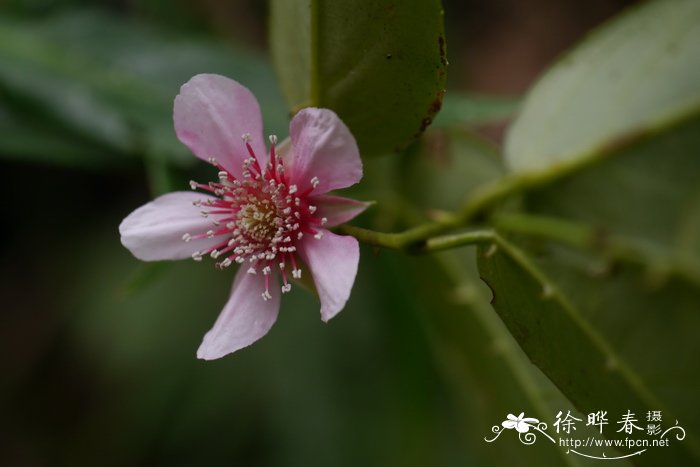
point(292, 189)
point(197, 202)
point(286, 288)
point(210, 233)
point(324, 220)
point(273, 139)
point(281, 265)
point(187, 237)
point(312, 209)
point(251, 270)
point(266, 295)
point(223, 175)
point(193, 184)
point(197, 256)
point(212, 160)
point(246, 137)
point(318, 236)
point(286, 211)
point(204, 213)
point(226, 263)
point(315, 181)
point(296, 273)
point(266, 270)
point(300, 235)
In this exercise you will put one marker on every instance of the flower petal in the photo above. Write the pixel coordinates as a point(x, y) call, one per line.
point(509, 424)
point(246, 317)
point(336, 209)
point(323, 147)
point(211, 113)
point(154, 231)
point(332, 261)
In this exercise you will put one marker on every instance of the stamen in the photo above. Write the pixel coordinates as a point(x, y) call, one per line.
point(259, 217)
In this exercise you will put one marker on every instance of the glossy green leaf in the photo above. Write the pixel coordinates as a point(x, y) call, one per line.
point(379, 64)
point(637, 74)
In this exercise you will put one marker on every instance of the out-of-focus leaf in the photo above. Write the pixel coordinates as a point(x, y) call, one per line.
point(646, 196)
point(610, 343)
point(23, 138)
point(460, 110)
point(445, 167)
point(489, 375)
point(113, 81)
point(379, 64)
point(635, 75)
point(620, 115)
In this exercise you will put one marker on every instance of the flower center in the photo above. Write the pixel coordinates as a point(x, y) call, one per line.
point(259, 218)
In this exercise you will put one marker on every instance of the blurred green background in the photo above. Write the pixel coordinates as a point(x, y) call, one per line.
point(99, 362)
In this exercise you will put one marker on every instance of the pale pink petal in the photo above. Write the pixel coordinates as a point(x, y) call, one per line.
point(154, 231)
point(322, 147)
point(336, 209)
point(246, 317)
point(211, 114)
point(333, 261)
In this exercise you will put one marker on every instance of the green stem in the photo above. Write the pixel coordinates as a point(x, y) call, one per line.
point(415, 238)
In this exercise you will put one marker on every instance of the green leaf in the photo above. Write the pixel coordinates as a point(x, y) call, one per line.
point(609, 343)
point(445, 167)
point(490, 376)
point(19, 139)
point(645, 198)
point(112, 82)
point(379, 64)
point(474, 109)
point(633, 76)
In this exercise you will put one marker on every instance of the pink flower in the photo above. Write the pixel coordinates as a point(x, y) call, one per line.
point(269, 213)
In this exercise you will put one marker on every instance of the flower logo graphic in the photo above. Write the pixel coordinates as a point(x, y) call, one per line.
point(520, 423)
